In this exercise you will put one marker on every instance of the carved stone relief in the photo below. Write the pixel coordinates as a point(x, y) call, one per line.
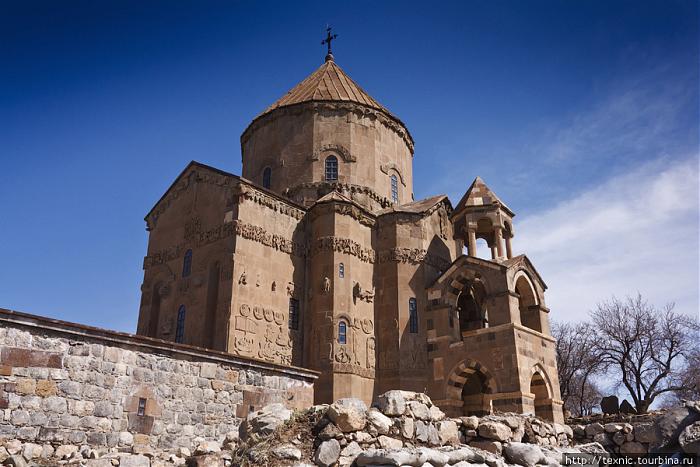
point(325, 286)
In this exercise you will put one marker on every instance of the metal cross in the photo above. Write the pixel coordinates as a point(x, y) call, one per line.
point(329, 38)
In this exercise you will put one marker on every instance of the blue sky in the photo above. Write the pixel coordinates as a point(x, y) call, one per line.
point(582, 116)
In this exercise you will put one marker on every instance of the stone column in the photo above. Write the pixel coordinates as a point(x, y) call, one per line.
point(494, 252)
point(471, 246)
point(498, 240)
point(509, 249)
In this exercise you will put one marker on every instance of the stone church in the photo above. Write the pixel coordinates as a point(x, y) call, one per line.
point(318, 256)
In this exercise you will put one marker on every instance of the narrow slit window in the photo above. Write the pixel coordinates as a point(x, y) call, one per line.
point(267, 177)
point(180, 329)
point(331, 169)
point(412, 316)
point(341, 270)
point(187, 264)
point(394, 189)
point(342, 332)
point(293, 322)
point(142, 407)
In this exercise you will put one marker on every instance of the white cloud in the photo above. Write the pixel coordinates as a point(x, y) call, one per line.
point(634, 232)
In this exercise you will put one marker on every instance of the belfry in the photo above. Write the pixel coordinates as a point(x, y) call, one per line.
point(318, 256)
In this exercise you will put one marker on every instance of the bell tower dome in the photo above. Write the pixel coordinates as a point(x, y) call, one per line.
point(327, 134)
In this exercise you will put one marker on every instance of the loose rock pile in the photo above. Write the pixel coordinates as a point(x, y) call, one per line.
point(676, 430)
point(405, 429)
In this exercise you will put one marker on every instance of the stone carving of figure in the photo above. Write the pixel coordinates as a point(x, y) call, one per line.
point(290, 289)
point(274, 286)
point(326, 285)
point(243, 280)
point(371, 345)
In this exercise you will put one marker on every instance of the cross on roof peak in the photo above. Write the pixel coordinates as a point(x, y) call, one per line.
point(329, 38)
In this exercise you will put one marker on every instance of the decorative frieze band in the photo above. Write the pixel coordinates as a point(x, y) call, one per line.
point(343, 245)
point(251, 194)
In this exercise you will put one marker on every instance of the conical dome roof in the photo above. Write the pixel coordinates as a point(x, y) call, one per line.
point(328, 83)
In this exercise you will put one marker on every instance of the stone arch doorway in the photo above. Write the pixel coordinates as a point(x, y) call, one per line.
point(470, 388)
point(542, 397)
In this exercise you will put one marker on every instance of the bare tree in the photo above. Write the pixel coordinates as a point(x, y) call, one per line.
point(644, 346)
point(577, 362)
point(688, 377)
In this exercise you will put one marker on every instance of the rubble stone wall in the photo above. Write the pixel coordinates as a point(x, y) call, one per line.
point(62, 383)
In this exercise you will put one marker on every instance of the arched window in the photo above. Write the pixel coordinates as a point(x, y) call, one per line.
point(341, 270)
point(412, 316)
point(187, 264)
point(331, 169)
point(293, 322)
point(180, 329)
point(342, 332)
point(394, 188)
point(267, 177)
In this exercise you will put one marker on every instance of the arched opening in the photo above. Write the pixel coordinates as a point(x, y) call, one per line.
point(342, 332)
point(331, 169)
point(187, 264)
point(267, 177)
point(180, 327)
point(394, 188)
point(212, 301)
point(154, 314)
point(527, 303)
point(543, 404)
point(475, 398)
point(471, 307)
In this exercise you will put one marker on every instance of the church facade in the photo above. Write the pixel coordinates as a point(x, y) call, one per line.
point(318, 256)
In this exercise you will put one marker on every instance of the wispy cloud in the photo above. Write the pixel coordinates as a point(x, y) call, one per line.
point(634, 232)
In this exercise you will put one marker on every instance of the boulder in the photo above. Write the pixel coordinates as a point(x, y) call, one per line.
point(408, 428)
point(419, 410)
point(386, 457)
point(494, 430)
point(134, 460)
point(349, 414)
point(610, 405)
point(427, 433)
point(31, 451)
point(470, 423)
point(207, 447)
point(287, 451)
point(447, 432)
point(380, 421)
point(523, 454)
point(266, 420)
point(392, 403)
point(462, 454)
point(670, 426)
point(351, 450)
point(689, 439)
point(627, 408)
point(387, 442)
point(493, 447)
point(327, 453)
point(612, 427)
point(16, 461)
point(436, 414)
point(593, 429)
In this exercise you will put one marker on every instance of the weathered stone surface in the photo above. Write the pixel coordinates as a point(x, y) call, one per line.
point(386, 442)
point(380, 421)
point(392, 403)
point(494, 447)
point(670, 426)
point(419, 410)
point(470, 423)
point(447, 432)
point(689, 439)
point(408, 428)
point(287, 451)
point(593, 429)
point(266, 420)
point(527, 455)
point(134, 460)
point(349, 414)
point(327, 453)
point(494, 430)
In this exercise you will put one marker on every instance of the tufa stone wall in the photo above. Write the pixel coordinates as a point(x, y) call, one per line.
point(63, 383)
